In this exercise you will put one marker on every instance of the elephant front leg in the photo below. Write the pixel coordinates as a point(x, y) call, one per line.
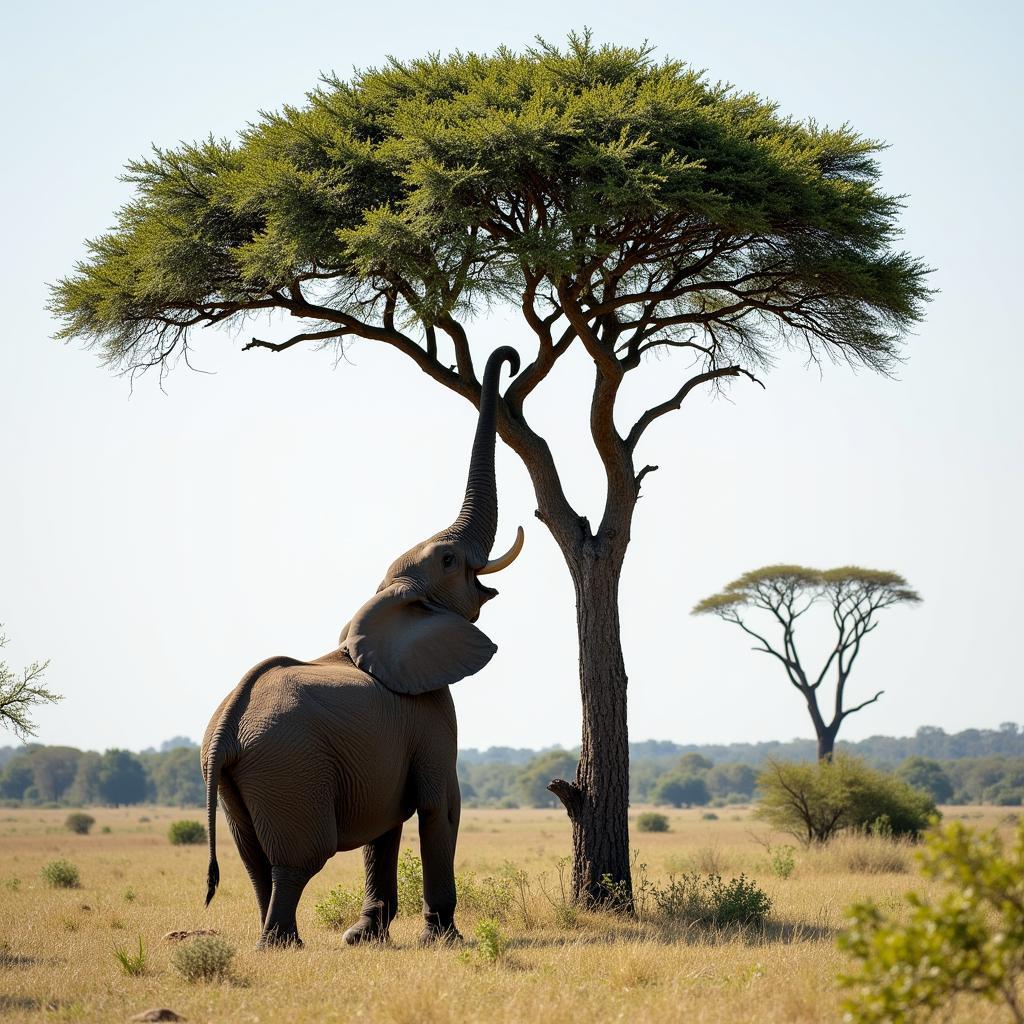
point(438, 832)
point(380, 903)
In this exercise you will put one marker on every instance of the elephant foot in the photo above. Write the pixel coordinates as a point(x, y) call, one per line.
point(279, 940)
point(449, 936)
point(366, 931)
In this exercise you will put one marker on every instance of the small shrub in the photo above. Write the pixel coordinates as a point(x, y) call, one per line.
point(968, 941)
point(490, 942)
point(652, 821)
point(129, 895)
point(79, 823)
point(709, 816)
point(340, 907)
point(106, 830)
point(781, 860)
point(566, 911)
point(207, 958)
point(706, 899)
point(133, 964)
point(61, 874)
point(410, 884)
point(491, 897)
point(186, 833)
point(12, 884)
point(815, 801)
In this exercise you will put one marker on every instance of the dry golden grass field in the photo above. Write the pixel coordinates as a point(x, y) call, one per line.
point(57, 945)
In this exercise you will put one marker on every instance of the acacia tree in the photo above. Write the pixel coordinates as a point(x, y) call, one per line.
point(785, 593)
point(20, 692)
point(624, 206)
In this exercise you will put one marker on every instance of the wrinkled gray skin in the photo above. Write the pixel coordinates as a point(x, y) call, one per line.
point(314, 757)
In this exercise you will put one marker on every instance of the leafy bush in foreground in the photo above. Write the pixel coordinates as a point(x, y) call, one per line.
point(61, 874)
point(207, 958)
point(969, 941)
point(186, 833)
point(706, 899)
point(815, 801)
point(340, 907)
point(79, 823)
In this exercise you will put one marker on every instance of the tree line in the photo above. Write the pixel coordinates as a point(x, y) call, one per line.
point(972, 766)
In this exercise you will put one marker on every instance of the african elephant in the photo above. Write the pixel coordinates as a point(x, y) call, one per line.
point(315, 757)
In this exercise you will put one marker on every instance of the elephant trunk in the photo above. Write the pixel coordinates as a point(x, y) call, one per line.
point(477, 522)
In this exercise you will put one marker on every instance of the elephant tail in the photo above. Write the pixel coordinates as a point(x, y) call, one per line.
point(222, 749)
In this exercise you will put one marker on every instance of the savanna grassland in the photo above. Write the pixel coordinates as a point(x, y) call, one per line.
point(57, 945)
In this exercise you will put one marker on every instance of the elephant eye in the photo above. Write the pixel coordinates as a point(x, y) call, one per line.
point(449, 560)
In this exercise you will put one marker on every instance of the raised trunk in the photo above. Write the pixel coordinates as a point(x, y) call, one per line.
point(598, 800)
point(477, 522)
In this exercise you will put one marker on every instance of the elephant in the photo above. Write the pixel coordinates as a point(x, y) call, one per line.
point(314, 757)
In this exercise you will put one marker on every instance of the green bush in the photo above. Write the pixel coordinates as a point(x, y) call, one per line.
point(490, 942)
point(781, 860)
point(79, 823)
point(61, 874)
point(186, 833)
point(706, 899)
point(206, 958)
point(967, 941)
point(340, 907)
point(813, 801)
point(410, 884)
point(652, 821)
point(492, 898)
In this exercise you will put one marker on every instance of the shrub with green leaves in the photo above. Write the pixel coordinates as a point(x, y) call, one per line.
point(206, 958)
point(410, 883)
point(706, 899)
point(490, 942)
point(79, 823)
point(652, 821)
point(61, 874)
point(781, 860)
point(968, 941)
point(186, 833)
point(493, 898)
point(814, 801)
point(340, 907)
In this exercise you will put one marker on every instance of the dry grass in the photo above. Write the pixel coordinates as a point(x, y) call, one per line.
point(58, 946)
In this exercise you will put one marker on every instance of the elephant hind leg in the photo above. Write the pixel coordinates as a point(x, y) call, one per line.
point(279, 928)
point(256, 862)
point(380, 903)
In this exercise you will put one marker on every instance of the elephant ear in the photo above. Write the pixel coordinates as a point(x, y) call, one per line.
point(413, 646)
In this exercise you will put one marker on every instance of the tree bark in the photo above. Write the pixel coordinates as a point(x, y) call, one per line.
point(598, 800)
point(826, 743)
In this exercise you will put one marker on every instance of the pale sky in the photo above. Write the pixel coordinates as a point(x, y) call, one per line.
point(155, 546)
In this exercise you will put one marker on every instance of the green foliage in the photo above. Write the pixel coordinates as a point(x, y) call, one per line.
point(186, 833)
point(815, 801)
point(412, 175)
point(133, 964)
point(706, 899)
point(121, 778)
point(61, 874)
point(176, 778)
point(410, 883)
point(79, 823)
point(340, 907)
point(490, 942)
point(206, 958)
point(492, 897)
point(782, 860)
point(652, 821)
point(923, 773)
point(20, 693)
point(532, 782)
point(681, 790)
point(968, 941)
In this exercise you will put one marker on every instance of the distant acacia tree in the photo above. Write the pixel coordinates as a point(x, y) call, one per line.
point(786, 592)
point(20, 692)
point(625, 206)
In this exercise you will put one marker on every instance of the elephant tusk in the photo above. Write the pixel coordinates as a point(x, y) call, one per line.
point(496, 564)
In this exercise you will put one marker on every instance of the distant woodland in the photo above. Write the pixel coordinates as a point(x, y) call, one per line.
point(972, 766)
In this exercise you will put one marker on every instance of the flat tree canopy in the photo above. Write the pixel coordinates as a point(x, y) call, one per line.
point(623, 204)
point(854, 597)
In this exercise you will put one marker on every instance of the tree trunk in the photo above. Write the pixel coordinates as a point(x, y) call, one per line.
point(598, 801)
point(826, 743)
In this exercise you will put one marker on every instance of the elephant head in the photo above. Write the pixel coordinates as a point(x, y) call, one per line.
point(416, 633)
